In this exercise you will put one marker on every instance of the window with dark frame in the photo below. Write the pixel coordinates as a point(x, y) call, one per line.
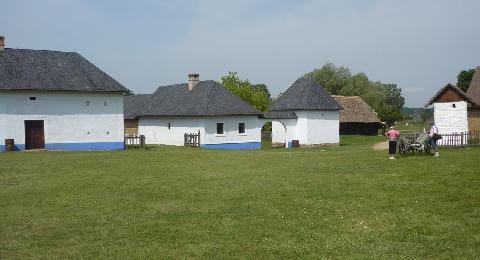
point(241, 128)
point(219, 128)
point(168, 126)
point(33, 98)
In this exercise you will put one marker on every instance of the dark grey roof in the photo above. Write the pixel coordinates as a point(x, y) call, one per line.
point(305, 94)
point(207, 98)
point(279, 115)
point(133, 105)
point(22, 69)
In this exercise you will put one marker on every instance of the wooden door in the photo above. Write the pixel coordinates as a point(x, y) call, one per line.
point(34, 134)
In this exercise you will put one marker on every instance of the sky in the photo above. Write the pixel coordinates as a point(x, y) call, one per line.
point(421, 45)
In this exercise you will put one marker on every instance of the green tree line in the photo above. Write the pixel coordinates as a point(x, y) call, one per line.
point(385, 99)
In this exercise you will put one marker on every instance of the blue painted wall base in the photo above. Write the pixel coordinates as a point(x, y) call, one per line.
point(97, 146)
point(234, 146)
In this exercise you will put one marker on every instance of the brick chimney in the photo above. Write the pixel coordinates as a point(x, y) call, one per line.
point(2, 43)
point(193, 79)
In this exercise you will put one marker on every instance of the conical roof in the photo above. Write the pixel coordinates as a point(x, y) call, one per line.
point(305, 94)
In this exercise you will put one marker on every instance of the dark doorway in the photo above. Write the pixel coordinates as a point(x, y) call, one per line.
point(34, 134)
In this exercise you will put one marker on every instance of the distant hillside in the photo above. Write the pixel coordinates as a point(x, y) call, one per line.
point(416, 113)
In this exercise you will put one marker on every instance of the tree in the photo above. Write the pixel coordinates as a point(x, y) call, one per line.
point(256, 95)
point(333, 79)
point(389, 114)
point(386, 99)
point(464, 78)
point(393, 96)
point(262, 87)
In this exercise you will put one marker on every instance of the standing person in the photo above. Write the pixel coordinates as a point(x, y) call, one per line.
point(434, 136)
point(392, 135)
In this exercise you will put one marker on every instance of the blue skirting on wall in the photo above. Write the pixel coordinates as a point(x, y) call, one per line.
point(86, 146)
point(16, 147)
point(237, 146)
point(75, 146)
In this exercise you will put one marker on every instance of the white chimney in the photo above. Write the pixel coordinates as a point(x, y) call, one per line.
point(193, 79)
point(2, 43)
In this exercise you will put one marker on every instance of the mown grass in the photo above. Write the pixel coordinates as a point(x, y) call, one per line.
point(347, 201)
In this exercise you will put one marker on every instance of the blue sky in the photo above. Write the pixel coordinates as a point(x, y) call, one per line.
point(419, 44)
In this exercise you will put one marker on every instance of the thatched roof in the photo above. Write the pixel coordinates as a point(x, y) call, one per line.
point(355, 110)
point(473, 91)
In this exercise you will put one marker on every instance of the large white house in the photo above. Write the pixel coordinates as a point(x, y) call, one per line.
point(58, 101)
point(305, 113)
point(206, 107)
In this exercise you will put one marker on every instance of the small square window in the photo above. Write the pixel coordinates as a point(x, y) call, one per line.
point(454, 105)
point(87, 103)
point(220, 129)
point(105, 103)
point(32, 98)
point(89, 132)
point(241, 128)
point(107, 132)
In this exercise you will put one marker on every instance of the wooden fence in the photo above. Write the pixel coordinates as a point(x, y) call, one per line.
point(135, 142)
point(192, 140)
point(453, 140)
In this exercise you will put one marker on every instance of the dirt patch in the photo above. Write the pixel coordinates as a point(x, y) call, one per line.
point(381, 146)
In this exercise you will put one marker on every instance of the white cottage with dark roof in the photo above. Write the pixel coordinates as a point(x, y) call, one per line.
point(305, 113)
point(450, 105)
point(58, 101)
point(206, 107)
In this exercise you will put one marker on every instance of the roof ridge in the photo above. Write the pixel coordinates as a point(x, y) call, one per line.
point(23, 49)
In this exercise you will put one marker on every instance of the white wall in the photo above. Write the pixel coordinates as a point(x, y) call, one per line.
point(310, 127)
point(67, 118)
point(155, 129)
point(318, 127)
point(450, 119)
point(279, 127)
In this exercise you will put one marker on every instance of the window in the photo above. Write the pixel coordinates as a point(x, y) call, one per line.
point(107, 132)
point(87, 103)
point(168, 126)
point(105, 103)
point(220, 129)
point(32, 98)
point(241, 128)
point(454, 105)
point(89, 132)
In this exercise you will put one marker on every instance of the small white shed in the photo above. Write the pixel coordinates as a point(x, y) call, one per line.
point(305, 112)
point(450, 106)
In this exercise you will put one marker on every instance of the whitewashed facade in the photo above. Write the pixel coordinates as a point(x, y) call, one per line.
point(310, 128)
point(305, 113)
point(71, 120)
point(451, 117)
point(170, 130)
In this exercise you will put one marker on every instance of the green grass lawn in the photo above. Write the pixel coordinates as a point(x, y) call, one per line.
point(347, 201)
point(412, 126)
